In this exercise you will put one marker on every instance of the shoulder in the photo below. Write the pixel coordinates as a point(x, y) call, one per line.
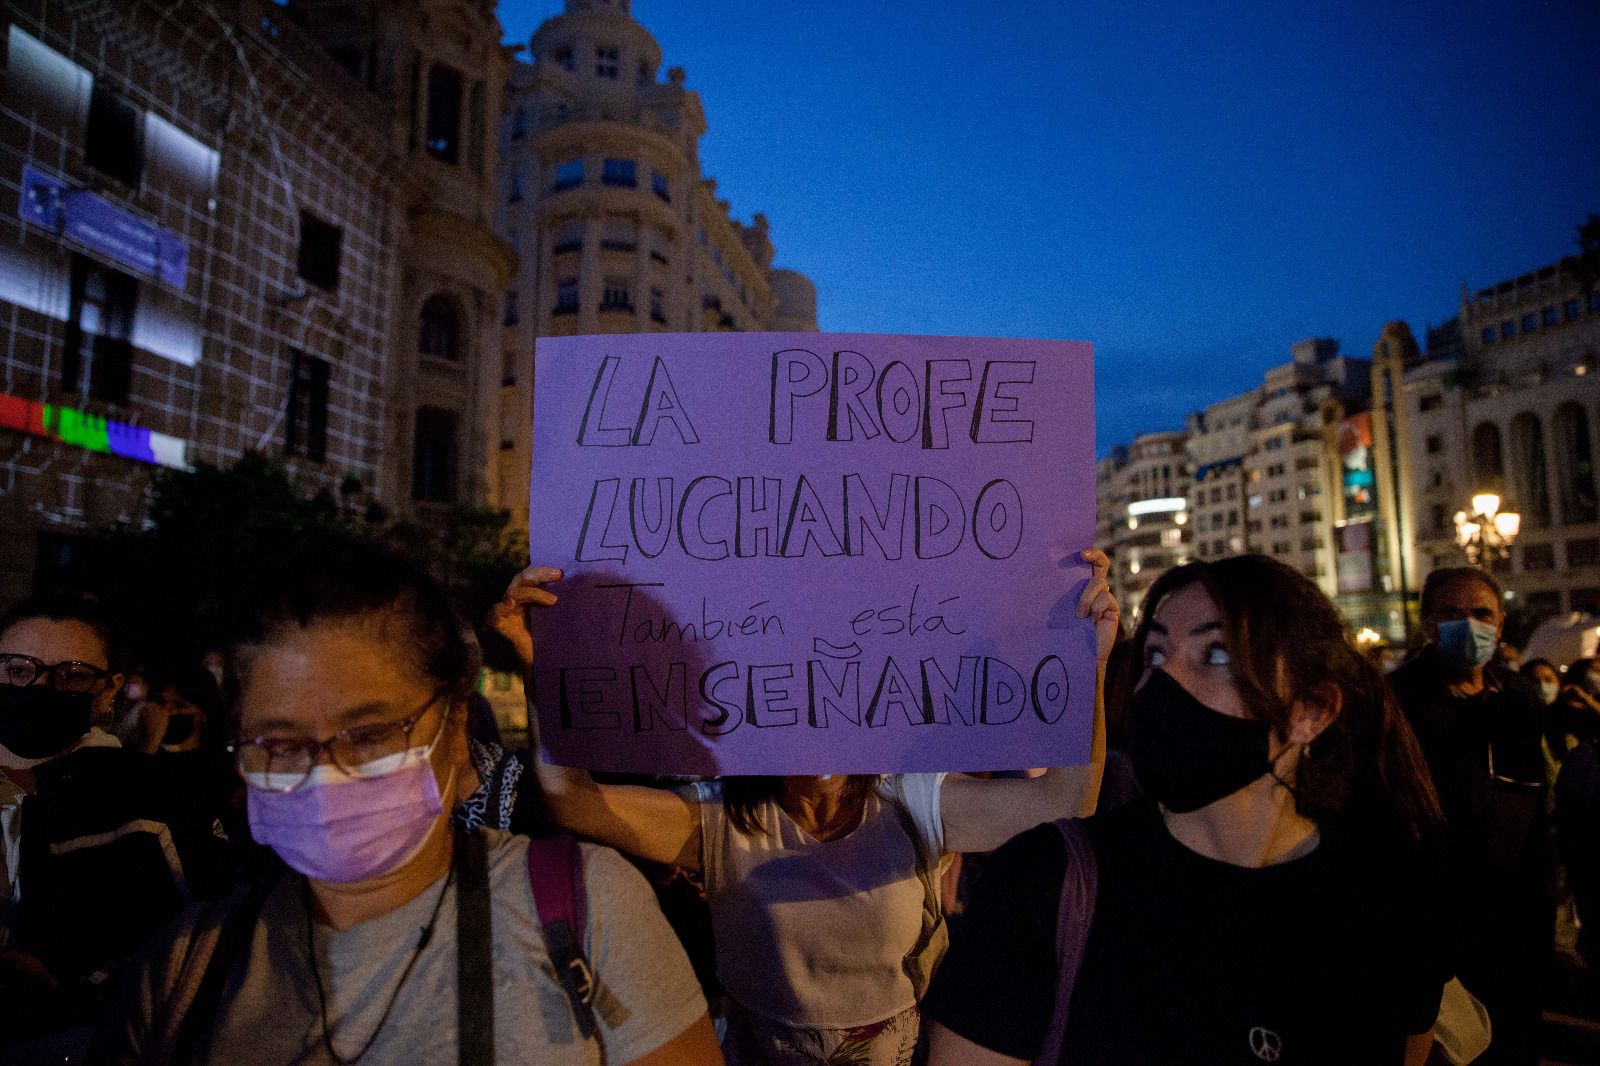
point(919, 795)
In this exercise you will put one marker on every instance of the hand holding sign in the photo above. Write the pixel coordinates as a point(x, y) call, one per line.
point(816, 553)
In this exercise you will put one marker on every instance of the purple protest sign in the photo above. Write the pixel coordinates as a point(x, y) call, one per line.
point(798, 553)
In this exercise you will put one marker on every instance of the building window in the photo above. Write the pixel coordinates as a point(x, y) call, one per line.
point(1435, 444)
point(433, 467)
point(1569, 428)
point(605, 61)
point(1488, 336)
point(657, 310)
point(111, 143)
point(619, 172)
point(566, 298)
point(644, 74)
point(306, 420)
point(1538, 557)
point(444, 114)
point(516, 187)
point(1573, 309)
point(508, 369)
point(658, 182)
point(511, 316)
point(1530, 323)
point(1552, 315)
point(519, 122)
point(1584, 552)
point(1430, 402)
point(1594, 301)
point(614, 295)
point(1488, 463)
point(1528, 468)
point(563, 58)
point(1508, 329)
point(569, 237)
point(439, 335)
point(100, 314)
point(568, 175)
point(320, 244)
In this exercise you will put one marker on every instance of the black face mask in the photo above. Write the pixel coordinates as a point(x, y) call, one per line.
point(1188, 755)
point(179, 729)
point(37, 721)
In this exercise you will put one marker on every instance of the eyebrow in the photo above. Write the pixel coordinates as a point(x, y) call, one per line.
point(1206, 627)
point(343, 719)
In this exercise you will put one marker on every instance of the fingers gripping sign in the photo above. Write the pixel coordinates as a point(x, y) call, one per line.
point(511, 617)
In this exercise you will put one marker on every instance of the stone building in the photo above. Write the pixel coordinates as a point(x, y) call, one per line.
point(616, 228)
point(1508, 402)
point(1144, 495)
point(228, 218)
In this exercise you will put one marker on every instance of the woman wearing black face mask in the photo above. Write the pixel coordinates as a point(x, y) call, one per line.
point(1268, 901)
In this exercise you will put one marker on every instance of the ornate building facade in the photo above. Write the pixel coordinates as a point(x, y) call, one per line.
point(616, 228)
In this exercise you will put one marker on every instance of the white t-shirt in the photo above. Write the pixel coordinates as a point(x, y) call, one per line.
point(812, 933)
point(647, 993)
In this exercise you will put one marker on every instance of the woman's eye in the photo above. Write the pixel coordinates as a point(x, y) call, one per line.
point(1217, 655)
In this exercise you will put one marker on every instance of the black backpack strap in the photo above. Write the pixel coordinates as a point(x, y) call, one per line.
point(474, 951)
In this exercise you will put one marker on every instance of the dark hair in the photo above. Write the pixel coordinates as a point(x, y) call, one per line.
point(70, 607)
point(744, 797)
point(1365, 769)
point(1580, 667)
point(1450, 575)
point(350, 582)
point(1527, 668)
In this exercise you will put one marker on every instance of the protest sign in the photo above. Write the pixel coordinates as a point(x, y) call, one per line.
point(813, 553)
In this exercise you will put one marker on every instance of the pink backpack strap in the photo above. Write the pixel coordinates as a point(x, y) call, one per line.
point(1079, 886)
point(555, 873)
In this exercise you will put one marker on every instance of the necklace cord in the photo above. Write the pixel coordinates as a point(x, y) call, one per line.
point(394, 997)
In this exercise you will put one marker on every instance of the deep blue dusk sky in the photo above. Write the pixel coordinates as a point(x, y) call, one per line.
point(1191, 190)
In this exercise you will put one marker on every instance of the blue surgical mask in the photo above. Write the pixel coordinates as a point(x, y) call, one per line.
point(1468, 642)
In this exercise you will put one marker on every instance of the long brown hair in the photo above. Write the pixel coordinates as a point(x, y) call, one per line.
point(1284, 639)
point(744, 798)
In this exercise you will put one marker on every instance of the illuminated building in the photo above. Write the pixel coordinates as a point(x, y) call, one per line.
point(1146, 490)
point(616, 228)
point(230, 218)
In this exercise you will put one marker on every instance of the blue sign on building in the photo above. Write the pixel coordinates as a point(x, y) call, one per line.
point(97, 223)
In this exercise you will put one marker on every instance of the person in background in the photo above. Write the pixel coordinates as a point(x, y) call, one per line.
point(1480, 728)
point(184, 725)
point(1576, 707)
point(100, 850)
point(1577, 803)
point(824, 890)
point(393, 936)
point(1267, 899)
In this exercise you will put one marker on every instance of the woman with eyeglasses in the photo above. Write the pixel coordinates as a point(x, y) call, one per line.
point(1271, 899)
point(394, 937)
point(79, 815)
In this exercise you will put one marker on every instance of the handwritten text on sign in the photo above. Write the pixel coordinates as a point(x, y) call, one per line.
point(813, 553)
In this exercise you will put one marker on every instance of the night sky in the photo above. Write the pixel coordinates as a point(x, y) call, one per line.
point(1193, 191)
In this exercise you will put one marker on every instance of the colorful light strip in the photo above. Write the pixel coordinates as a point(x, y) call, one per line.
point(93, 433)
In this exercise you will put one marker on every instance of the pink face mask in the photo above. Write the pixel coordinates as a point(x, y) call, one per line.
point(342, 829)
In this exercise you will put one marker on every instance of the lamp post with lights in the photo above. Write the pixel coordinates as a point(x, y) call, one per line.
point(1486, 534)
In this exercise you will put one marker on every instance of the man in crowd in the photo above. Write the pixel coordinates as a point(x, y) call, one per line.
point(1479, 727)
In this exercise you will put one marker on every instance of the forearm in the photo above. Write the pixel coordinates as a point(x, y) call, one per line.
point(649, 823)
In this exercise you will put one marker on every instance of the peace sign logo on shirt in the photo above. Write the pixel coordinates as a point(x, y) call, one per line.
point(1266, 1044)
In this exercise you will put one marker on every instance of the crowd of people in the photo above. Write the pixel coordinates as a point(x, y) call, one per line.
point(315, 848)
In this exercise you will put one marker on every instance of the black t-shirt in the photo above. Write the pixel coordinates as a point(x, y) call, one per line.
point(1331, 958)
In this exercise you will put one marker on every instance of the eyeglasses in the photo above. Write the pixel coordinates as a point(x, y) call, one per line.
point(67, 676)
point(284, 764)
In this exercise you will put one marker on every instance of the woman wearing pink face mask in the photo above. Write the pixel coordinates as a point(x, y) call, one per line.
point(393, 937)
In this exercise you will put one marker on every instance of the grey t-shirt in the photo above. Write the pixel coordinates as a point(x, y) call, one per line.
point(647, 993)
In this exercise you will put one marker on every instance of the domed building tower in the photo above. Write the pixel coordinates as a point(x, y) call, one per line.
point(440, 66)
point(616, 230)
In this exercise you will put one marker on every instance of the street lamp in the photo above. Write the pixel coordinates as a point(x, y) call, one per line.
point(1486, 534)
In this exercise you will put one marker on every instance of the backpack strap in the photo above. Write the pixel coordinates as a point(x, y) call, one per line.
point(555, 873)
point(474, 952)
point(1079, 887)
